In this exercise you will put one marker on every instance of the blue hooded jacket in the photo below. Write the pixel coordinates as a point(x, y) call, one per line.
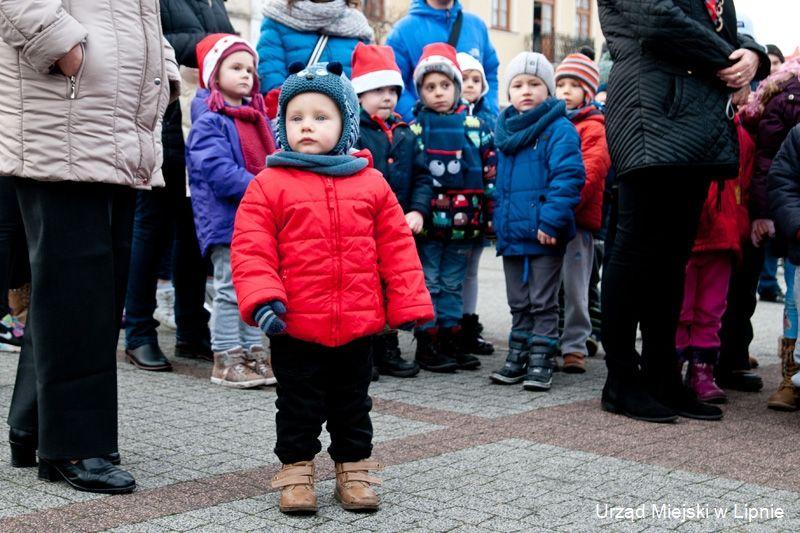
point(217, 174)
point(540, 174)
point(279, 46)
point(425, 25)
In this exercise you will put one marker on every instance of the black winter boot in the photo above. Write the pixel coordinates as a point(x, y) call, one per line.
point(428, 355)
point(391, 363)
point(516, 361)
point(541, 363)
point(450, 345)
point(627, 396)
point(471, 339)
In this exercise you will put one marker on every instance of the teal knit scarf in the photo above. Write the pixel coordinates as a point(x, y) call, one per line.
point(328, 165)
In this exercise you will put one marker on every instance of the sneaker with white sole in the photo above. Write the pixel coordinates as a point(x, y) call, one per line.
point(10, 335)
point(259, 361)
point(231, 370)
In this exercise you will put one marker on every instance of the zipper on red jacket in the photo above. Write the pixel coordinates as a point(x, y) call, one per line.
point(337, 262)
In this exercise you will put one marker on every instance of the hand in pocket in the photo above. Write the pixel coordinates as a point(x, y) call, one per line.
point(71, 63)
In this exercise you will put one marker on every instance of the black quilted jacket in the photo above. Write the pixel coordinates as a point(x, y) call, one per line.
point(666, 107)
point(186, 23)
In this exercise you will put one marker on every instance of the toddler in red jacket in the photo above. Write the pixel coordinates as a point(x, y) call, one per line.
point(577, 78)
point(724, 224)
point(322, 260)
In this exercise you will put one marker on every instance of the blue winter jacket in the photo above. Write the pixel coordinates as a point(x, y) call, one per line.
point(217, 174)
point(538, 183)
point(279, 46)
point(425, 25)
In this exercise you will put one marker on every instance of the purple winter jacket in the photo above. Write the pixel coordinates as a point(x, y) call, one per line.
point(217, 174)
point(780, 115)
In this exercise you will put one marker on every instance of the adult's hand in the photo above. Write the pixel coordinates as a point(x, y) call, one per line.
point(546, 239)
point(70, 64)
point(760, 230)
point(743, 69)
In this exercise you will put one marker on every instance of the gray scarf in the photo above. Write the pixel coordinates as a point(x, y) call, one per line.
point(333, 18)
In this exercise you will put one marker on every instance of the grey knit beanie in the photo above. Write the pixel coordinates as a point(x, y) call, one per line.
point(532, 63)
point(325, 78)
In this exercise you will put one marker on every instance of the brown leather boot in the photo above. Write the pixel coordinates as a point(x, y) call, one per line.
point(787, 397)
point(296, 482)
point(353, 489)
point(574, 363)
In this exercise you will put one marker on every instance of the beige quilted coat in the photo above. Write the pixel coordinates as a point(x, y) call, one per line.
point(102, 125)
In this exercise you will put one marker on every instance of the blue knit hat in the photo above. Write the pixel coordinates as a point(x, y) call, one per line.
point(327, 79)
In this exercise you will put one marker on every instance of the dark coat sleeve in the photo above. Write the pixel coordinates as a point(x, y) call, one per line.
point(784, 187)
point(674, 36)
point(421, 183)
point(184, 28)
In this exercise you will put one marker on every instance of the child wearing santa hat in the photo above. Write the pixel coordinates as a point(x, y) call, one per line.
point(378, 83)
point(227, 146)
point(458, 150)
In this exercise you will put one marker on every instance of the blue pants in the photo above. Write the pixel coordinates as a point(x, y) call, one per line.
point(790, 304)
point(164, 218)
point(445, 267)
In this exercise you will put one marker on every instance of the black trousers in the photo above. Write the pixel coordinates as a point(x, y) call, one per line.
point(79, 240)
point(643, 279)
point(317, 383)
point(736, 332)
point(14, 269)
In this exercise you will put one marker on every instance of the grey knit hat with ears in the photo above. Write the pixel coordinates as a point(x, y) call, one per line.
point(532, 63)
point(327, 79)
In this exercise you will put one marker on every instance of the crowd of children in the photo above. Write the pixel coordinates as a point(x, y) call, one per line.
point(337, 224)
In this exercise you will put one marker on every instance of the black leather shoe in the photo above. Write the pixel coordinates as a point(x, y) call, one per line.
point(23, 449)
point(194, 350)
point(684, 402)
point(148, 357)
point(741, 380)
point(88, 475)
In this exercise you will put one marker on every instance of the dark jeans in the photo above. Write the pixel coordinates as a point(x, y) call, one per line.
point(737, 331)
point(317, 383)
point(163, 219)
point(79, 240)
point(643, 279)
point(14, 269)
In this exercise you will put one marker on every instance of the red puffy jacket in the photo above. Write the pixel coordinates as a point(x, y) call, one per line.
point(725, 221)
point(336, 251)
point(590, 124)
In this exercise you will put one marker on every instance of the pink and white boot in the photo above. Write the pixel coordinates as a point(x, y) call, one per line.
point(700, 376)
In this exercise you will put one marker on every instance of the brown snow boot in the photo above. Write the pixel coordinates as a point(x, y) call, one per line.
point(296, 482)
point(353, 490)
point(787, 397)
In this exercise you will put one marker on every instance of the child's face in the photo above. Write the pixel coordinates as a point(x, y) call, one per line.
point(601, 97)
point(235, 76)
point(526, 92)
point(569, 90)
point(438, 92)
point(473, 86)
point(379, 102)
point(774, 63)
point(313, 123)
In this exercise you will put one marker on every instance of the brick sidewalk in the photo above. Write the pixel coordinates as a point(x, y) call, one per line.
point(461, 455)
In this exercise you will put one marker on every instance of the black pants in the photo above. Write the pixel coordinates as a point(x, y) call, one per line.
point(736, 332)
point(79, 239)
point(643, 280)
point(164, 220)
point(315, 384)
point(14, 269)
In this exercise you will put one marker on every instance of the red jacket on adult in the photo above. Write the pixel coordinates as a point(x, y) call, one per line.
point(725, 220)
point(590, 124)
point(336, 251)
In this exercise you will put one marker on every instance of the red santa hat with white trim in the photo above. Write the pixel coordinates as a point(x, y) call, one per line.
point(439, 57)
point(211, 51)
point(373, 67)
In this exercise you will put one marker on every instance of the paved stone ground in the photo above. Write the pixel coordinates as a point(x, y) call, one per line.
point(461, 455)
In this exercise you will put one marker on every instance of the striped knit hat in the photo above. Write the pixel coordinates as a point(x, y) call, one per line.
point(583, 69)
